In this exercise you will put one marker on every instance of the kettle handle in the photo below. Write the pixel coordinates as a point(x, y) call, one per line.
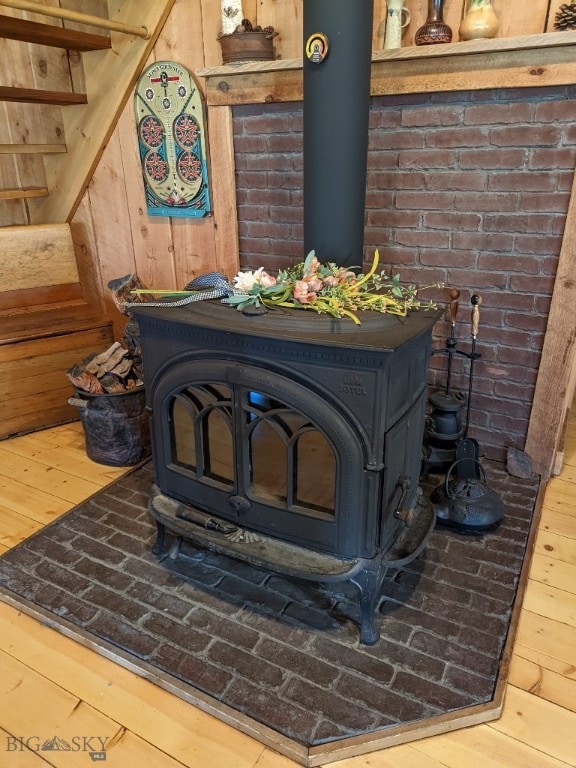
point(450, 470)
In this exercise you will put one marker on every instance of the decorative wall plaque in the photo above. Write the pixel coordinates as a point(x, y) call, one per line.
point(172, 141)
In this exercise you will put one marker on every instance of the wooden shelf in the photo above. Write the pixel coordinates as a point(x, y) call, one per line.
point(32, 149)
point(34, 96)
point(18, 193)
point(511, 62)
point(48, 34)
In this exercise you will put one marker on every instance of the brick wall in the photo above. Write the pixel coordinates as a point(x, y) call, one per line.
point(468, 189)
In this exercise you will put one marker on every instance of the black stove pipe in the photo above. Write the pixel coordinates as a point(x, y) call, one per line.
point(336, 111)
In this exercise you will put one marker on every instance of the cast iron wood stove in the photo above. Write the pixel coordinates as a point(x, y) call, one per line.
point(290, 441)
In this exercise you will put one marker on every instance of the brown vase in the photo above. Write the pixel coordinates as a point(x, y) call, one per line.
point(434, 30)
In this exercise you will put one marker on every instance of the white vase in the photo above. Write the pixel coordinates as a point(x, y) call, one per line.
point(397, 17)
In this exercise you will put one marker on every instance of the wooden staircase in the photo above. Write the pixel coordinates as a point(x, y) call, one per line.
point(51, 139)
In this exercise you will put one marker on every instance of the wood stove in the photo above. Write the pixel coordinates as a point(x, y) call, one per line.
point(290, 440)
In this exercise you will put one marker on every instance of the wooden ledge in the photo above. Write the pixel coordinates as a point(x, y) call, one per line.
point(49, 34)
point(34, 96)
point(58, 320)
point(511, 62)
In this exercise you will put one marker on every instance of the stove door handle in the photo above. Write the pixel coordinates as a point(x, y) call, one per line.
point(400, 513)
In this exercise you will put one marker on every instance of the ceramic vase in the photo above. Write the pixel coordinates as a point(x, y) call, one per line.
point(434, 30)
point(479, 22)
point(397, 17)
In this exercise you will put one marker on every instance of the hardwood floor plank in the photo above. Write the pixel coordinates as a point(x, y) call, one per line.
point(558, 522)
point(32, 503)
point(404, 756)
point(546, 727)
point(484, 747)
point(534, 677)
point(138, 705)
point(560, 494)
point(556, 573)
point(35, 475)
point(547, 636)
point(17, 755)
point(69, 461)
point(14, 528)
point(551, 602)
point(556, 546)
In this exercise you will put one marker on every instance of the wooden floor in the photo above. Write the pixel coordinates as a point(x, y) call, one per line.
point(52, 686)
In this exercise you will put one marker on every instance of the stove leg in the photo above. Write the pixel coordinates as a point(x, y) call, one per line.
point(369, 584)
point(158, 545)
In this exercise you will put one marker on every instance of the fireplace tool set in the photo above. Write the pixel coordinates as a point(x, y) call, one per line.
point(463, 501)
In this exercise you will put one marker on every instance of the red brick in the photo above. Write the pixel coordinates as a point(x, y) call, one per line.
point(489, 114)
point(560, 157)
point(268, 162)
point(527, 322)
point(422, 238)
point(427, 158)
point(378, 161)
point(432, 116)
point(393, 218)
point(285, 142)
point(397, 140)
point(384, 118)
point(533, 181)
point(482, 241)
point(422, 201)
point(555, 111)
point(465, 278)
point(536, 244)
point(470, 180)
point(466, 201)
point(491, 158)
point(398, 180)
point(456, 137)
point(540, 223)
point(248, 144)
point(549, 201)
point(452, 221)
point(525, 136)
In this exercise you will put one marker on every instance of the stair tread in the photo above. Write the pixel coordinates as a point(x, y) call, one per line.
point(36, 96)
point(28, 149)
point(47, 34)
point(54, 321)
point(17, 193)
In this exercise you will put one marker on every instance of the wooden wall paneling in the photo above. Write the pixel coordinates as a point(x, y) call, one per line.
point(554, 382)
point(554, 7)
point(211, 28)
point(11, 211)
point(36, 256)
point(515, 20)
point(379, 25)
point(87, 130)
point(110, 214)
point(286, 18)
point(193, 243)
point(151, 235)
point(86, 250)
point(223, 189)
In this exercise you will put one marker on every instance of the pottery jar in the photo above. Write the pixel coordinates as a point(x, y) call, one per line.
point(479, 22)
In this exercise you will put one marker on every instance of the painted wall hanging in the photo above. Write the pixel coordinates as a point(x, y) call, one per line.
point(172, 141)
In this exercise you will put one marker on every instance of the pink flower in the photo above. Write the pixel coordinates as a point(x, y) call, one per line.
point(266, 280)
point(314, 283)
point(301, 292)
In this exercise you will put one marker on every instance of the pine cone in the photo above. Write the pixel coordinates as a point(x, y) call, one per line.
point(566, 17)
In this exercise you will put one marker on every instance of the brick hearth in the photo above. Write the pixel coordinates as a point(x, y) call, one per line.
point(283, 652)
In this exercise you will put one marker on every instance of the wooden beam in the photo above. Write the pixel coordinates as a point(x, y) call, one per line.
point(513, 62)
point(558, 357)
point(34, 96)
point(49, 34)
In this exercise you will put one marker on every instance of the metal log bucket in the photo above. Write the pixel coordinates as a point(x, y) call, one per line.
point(116, 426)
